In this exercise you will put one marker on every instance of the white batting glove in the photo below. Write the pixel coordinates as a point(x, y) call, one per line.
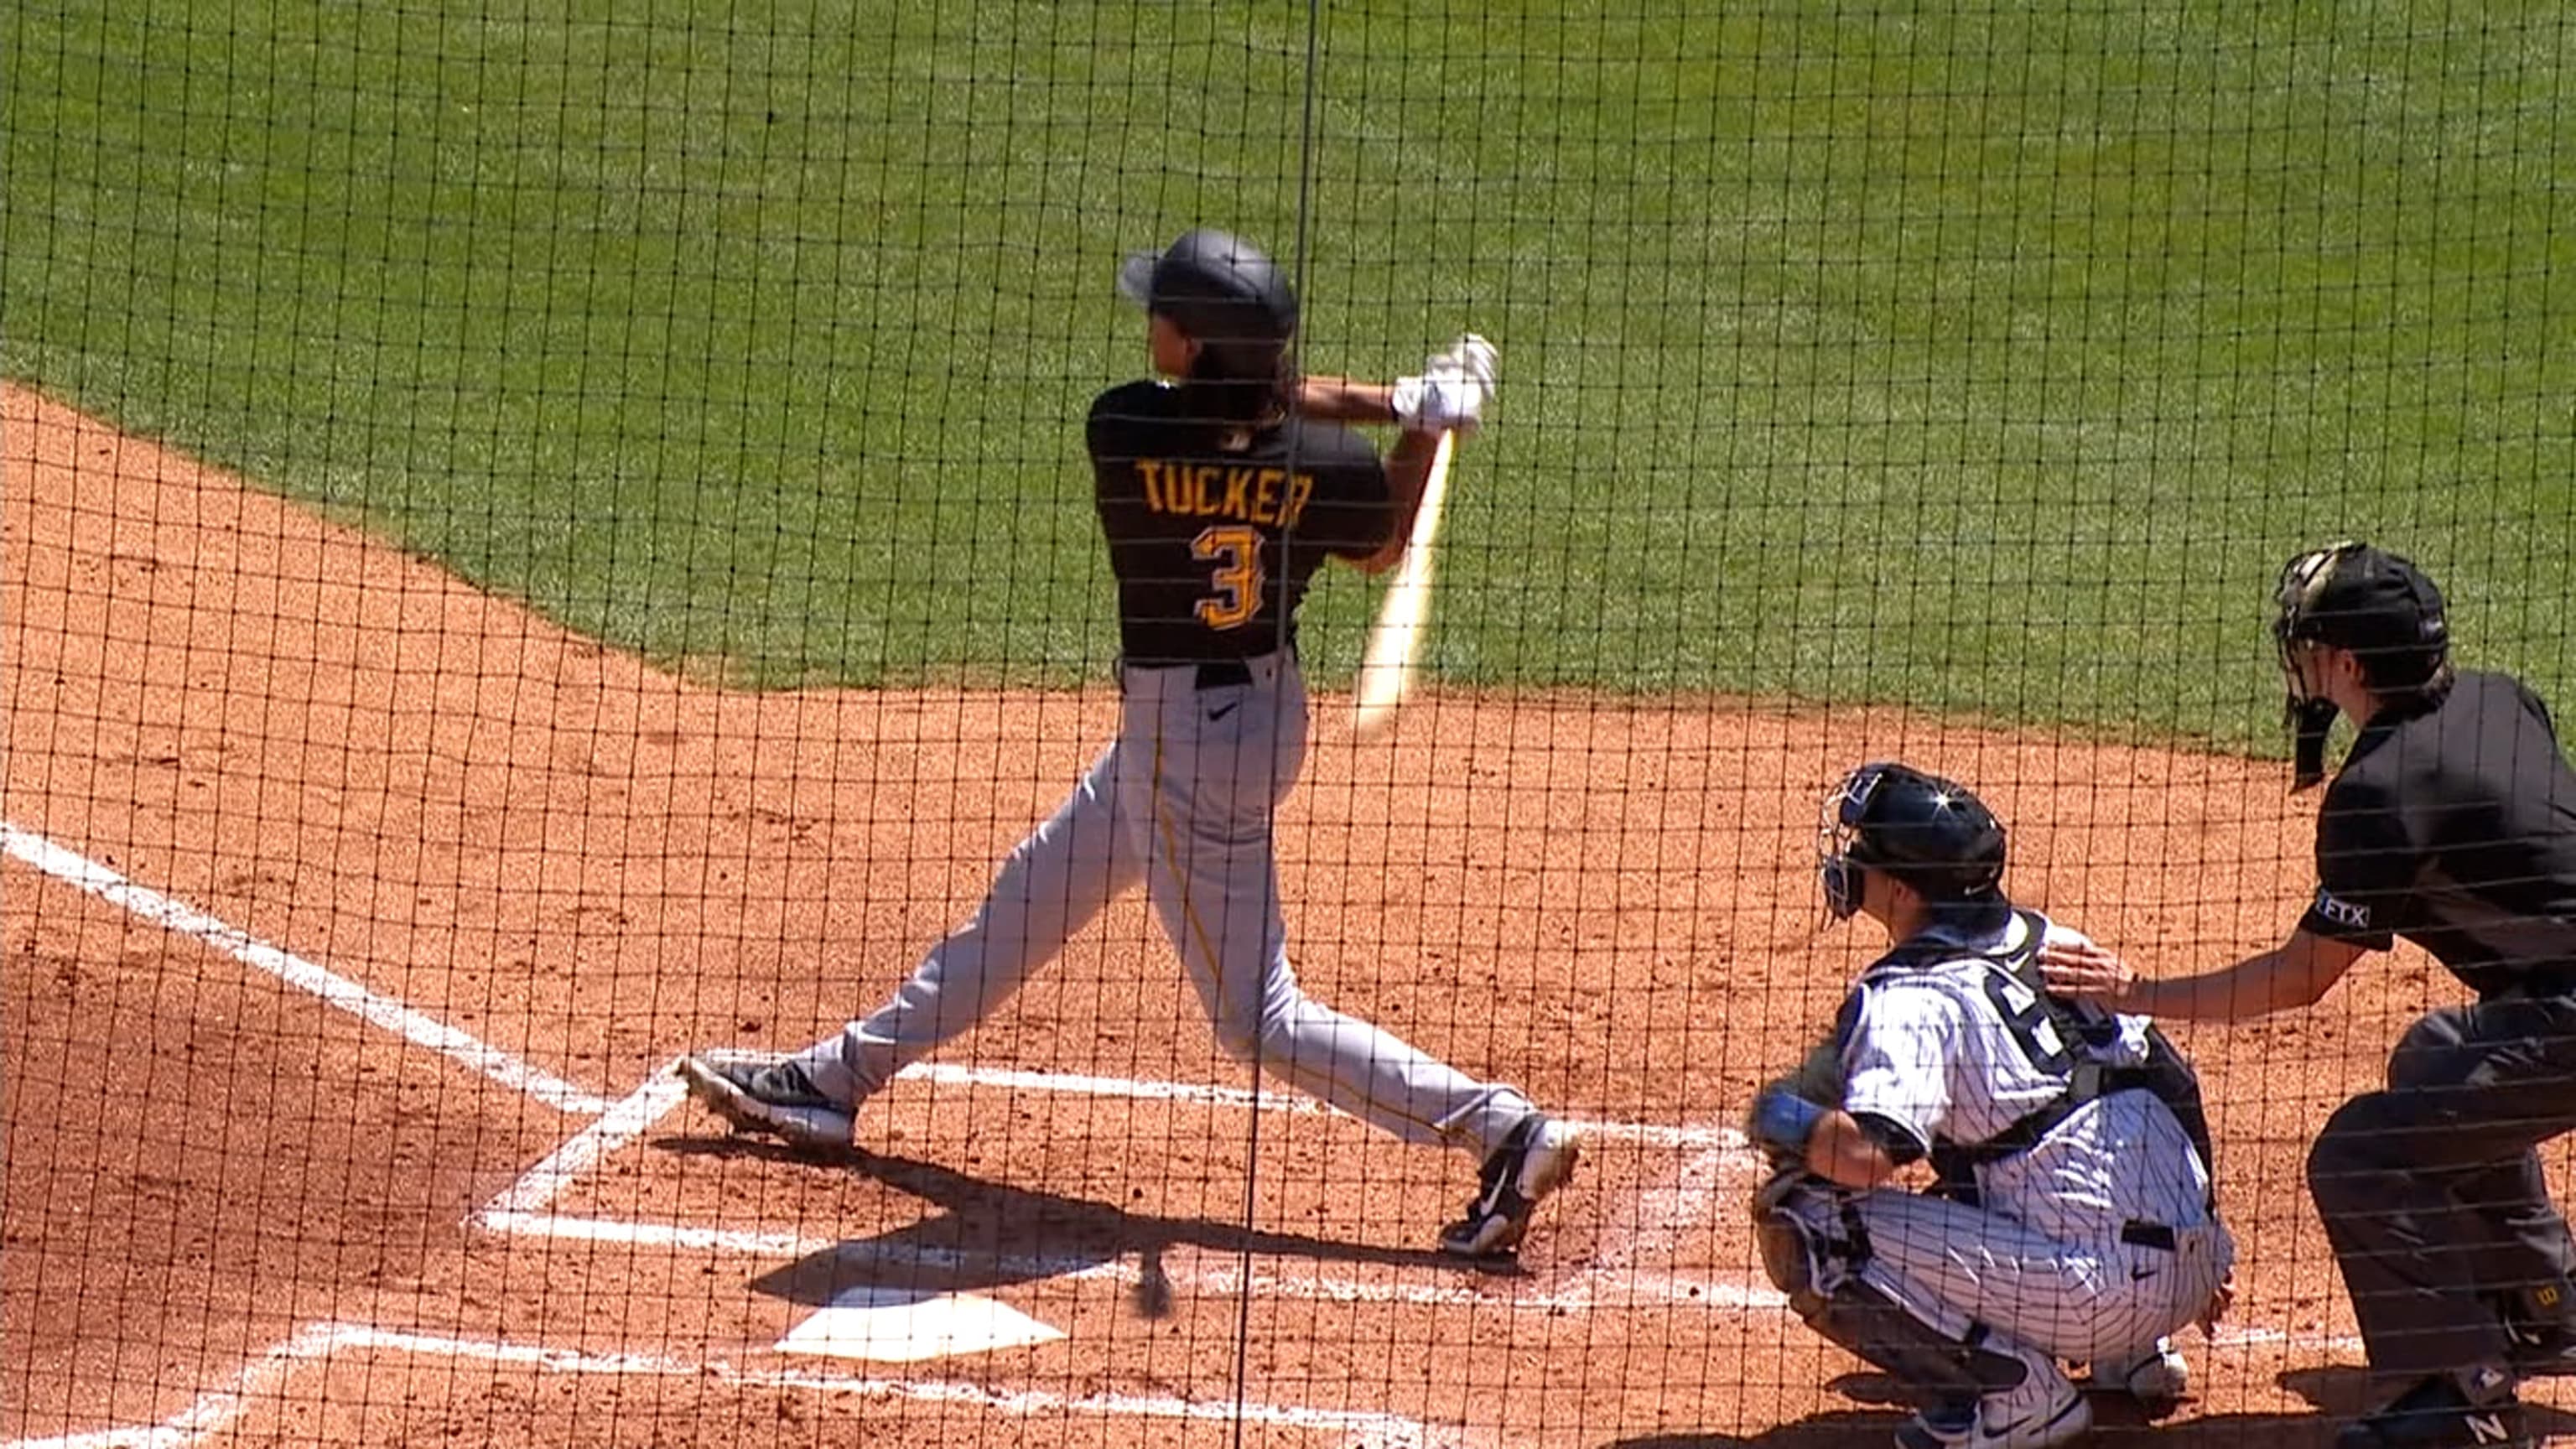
point(1476, 356)
point(1452, 392)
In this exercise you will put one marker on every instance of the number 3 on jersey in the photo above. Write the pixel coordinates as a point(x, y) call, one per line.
point(1236, 551)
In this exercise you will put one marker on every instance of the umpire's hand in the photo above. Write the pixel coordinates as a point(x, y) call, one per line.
point(2087, 972)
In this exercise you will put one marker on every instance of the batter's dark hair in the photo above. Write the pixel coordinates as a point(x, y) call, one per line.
point(1228, 387)
point(1227, 296)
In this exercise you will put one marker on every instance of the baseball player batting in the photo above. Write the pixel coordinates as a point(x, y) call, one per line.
point(2071, 1216)
point(1220, 493)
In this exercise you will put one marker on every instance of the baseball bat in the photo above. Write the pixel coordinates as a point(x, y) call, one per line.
point(1386, 667)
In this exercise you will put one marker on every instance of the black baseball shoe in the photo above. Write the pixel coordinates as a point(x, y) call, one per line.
point(2540, 1332)
point(1535, 1159)
point(2544, 1352)
point(2442, 1413)
point(769, 1095)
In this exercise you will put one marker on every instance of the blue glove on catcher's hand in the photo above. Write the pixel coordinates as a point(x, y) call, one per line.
point(1783, 1120)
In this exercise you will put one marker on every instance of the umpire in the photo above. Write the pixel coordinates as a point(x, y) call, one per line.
point(2452, 823)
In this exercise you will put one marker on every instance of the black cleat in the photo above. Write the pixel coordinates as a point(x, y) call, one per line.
point(768, 1095)
point(2439, 1414)
point(2539, 1332)
point(2541, 1353)
point(1535, 1160)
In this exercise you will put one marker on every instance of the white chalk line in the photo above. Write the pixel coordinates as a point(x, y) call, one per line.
point(214, 1409)
point(1668, 1212)
point(516, 1212)
point(1613, 1281)
point(1188, 1271)
point(1648, 1134)
point(1663, 1212)
point(2251, 1337)
point(1018, 1402)
point(618, 1125)
point(337, 990)
point(213, 1412)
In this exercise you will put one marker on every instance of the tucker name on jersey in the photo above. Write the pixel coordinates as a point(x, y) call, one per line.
point(1266, 496)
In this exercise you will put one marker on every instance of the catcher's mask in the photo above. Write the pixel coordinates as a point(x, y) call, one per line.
point(1928, 832)
point(2356, 597)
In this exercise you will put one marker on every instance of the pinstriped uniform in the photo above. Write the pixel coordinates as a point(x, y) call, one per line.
point(1956, 1052)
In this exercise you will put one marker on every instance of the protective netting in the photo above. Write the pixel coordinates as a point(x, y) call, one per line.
point(546, 540)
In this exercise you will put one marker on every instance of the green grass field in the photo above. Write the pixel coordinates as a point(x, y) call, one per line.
point(1988, 358)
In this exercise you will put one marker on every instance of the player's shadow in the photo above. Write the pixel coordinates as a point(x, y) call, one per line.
point(988, 1234)
point(2336, 1394)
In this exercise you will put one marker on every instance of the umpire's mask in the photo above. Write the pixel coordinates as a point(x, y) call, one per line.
point(2352, 596)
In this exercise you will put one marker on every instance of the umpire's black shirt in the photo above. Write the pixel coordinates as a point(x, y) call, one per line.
point(2455, 827)
point(1214, 547)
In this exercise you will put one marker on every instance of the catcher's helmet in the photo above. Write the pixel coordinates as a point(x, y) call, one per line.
point(1222, 291)
point(1928, 832)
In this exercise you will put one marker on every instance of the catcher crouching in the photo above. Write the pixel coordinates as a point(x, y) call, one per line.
point(2069, 1218)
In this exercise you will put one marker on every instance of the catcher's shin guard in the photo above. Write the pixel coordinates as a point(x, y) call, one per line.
point(1813, 1251)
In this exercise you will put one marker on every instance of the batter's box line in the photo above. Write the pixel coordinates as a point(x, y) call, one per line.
point(422, 1030)
point(334, 989)
point(216, 1411)
point(268, 1375)
point(518, 1210)
point(1593, 1289)
point(1712, 1148)
point(1650, 1134)
point(1596, 1288)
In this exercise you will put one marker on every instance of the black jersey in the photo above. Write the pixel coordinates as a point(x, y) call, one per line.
point(1213, 548)
point(2455, 827)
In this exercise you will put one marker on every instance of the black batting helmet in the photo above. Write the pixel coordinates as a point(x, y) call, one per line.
point(1928, 832)
point(1224, 292)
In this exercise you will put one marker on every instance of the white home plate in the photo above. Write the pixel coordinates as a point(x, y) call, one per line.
point(897, 1325)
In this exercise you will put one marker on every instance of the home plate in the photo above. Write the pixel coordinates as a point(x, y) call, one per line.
point(898, 1325)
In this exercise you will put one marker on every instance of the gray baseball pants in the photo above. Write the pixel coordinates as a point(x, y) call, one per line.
point(1181, 803)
